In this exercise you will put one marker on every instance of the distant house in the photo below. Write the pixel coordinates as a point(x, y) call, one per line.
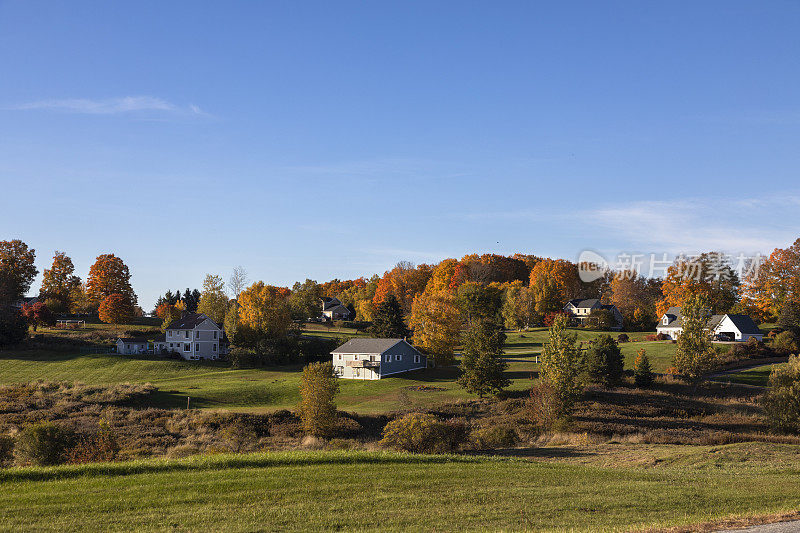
point(376, 358)
point(130, 346)
point(193, 336)
point(25, 300)
point(730, 327)
point(332, 309)
point(581, 309)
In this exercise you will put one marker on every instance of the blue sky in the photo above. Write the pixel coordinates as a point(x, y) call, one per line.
point(332, 139)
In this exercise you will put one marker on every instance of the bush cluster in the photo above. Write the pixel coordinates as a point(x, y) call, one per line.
point(782, 400)
point(424, 433)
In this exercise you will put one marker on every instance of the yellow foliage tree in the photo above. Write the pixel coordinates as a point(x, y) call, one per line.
point(264, 310)
point(436, 321)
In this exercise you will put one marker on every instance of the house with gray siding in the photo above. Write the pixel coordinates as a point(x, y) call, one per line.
point(376, 358)
point(332, 309)
point(130, 346)
point(193, 336)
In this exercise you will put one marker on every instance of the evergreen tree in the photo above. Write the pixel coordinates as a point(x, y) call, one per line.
point(642, 372)
point(560, 367)
point(482, 363)
point(603, 361)
point(387, 320)
point(788, 319)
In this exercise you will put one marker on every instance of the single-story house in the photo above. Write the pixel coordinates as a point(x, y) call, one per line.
point(581, 309)
point(731, 326)
point(332, 309)
point(130, 346)
point(376, 358)
point(193, 336)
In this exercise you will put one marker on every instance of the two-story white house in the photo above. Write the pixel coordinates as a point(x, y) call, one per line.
point(193, 336)
point(582, 308)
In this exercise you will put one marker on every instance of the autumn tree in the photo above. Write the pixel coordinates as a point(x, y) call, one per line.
point(387, 320)
point(264, 311)
point(16, 270)
point(403, 282)
point(478, 302)
point(708, 275)
point(213, 301)
point(13, 326)
point(37, 314)
point(518, 309)
point(482, 363)
point(115, 309)
point(694, 355)
point(561, 367)
point(553, 282)
point(776, 281)
point(305, 300)
point(318, 388)
point(635, 296)
point(59, 283)
point(436, 321)
point(109, 275)
point(168, 313)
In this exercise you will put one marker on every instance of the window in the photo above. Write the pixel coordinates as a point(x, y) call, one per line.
point(371, 357)
point(666, 320)
point(128, 346)
point(215, 335)
point(170, 345)
point(340, 357)
point(355, 357)
point(214, 347)
point(186, 334)
point(416, 359)
point(169, 333)
point(187, 347)
point(388, 358)
point(398, 357)
point(197, 347)
point(196, 334)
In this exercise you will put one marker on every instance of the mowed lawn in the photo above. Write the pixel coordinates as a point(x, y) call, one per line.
point(216, 385)
point(363, 491)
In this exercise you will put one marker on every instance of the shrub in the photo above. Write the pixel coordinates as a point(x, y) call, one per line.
point(44, 443)
point(550, 318)
point(496, 436)
point(622, 337)
point(423, 433)
point(6, 450)
point(782, 400)
point(13, 326)
point(642, 372)
point(603, 361)
point(544, 406)
point(786, 342)
point(101, 446)
point(318, 387)
point(660, 337)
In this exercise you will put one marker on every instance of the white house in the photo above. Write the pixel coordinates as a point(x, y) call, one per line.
point(129, 346)
point(730, 327)
point(581, 309)
point(376, 358)
point(332, 309)
point(193, 336)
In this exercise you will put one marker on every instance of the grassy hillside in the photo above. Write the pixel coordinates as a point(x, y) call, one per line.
point(387, 491)
point(215, 385)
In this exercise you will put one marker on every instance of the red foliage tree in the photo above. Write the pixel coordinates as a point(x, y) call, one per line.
point(115, 309)
point(37, 314)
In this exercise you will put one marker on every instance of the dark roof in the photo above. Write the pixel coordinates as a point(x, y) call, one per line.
point(373, 346)
point(336, 308)
point(131, 340)
point(189, 321)
point(327, 303)
point(744, 324)
point(581, 303)
point(161, 338)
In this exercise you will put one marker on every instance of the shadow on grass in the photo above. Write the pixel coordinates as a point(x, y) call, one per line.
point(208, 463)
point(541, 453)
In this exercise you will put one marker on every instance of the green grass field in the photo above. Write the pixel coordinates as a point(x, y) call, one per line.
point(752, 376)
point(390, 492)
point(215, 385)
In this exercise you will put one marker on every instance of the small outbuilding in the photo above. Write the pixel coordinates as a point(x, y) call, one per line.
point(376, 358)
point(130, 346)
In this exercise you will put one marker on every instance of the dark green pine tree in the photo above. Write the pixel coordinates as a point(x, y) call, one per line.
point(387, 320)
point(482, 363)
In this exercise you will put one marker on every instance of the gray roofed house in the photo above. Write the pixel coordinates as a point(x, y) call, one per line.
point(734, 327)
point(131, 346)
point(582, 308)
point(376, 358)
point(332, 309)
point(193, 336)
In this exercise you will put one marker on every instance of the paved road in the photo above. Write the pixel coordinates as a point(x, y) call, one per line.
point(792, 526)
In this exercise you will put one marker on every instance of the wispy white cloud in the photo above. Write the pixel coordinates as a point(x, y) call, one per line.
point(109, 106)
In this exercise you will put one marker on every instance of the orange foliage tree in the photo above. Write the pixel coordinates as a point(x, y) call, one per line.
point(107, 276)
point(776, 282)
point(404, 281)
point(264, 311)
point(708, 275)
point(115, 309)
point(553, 282)
point(436, 321)
point(58, 282)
